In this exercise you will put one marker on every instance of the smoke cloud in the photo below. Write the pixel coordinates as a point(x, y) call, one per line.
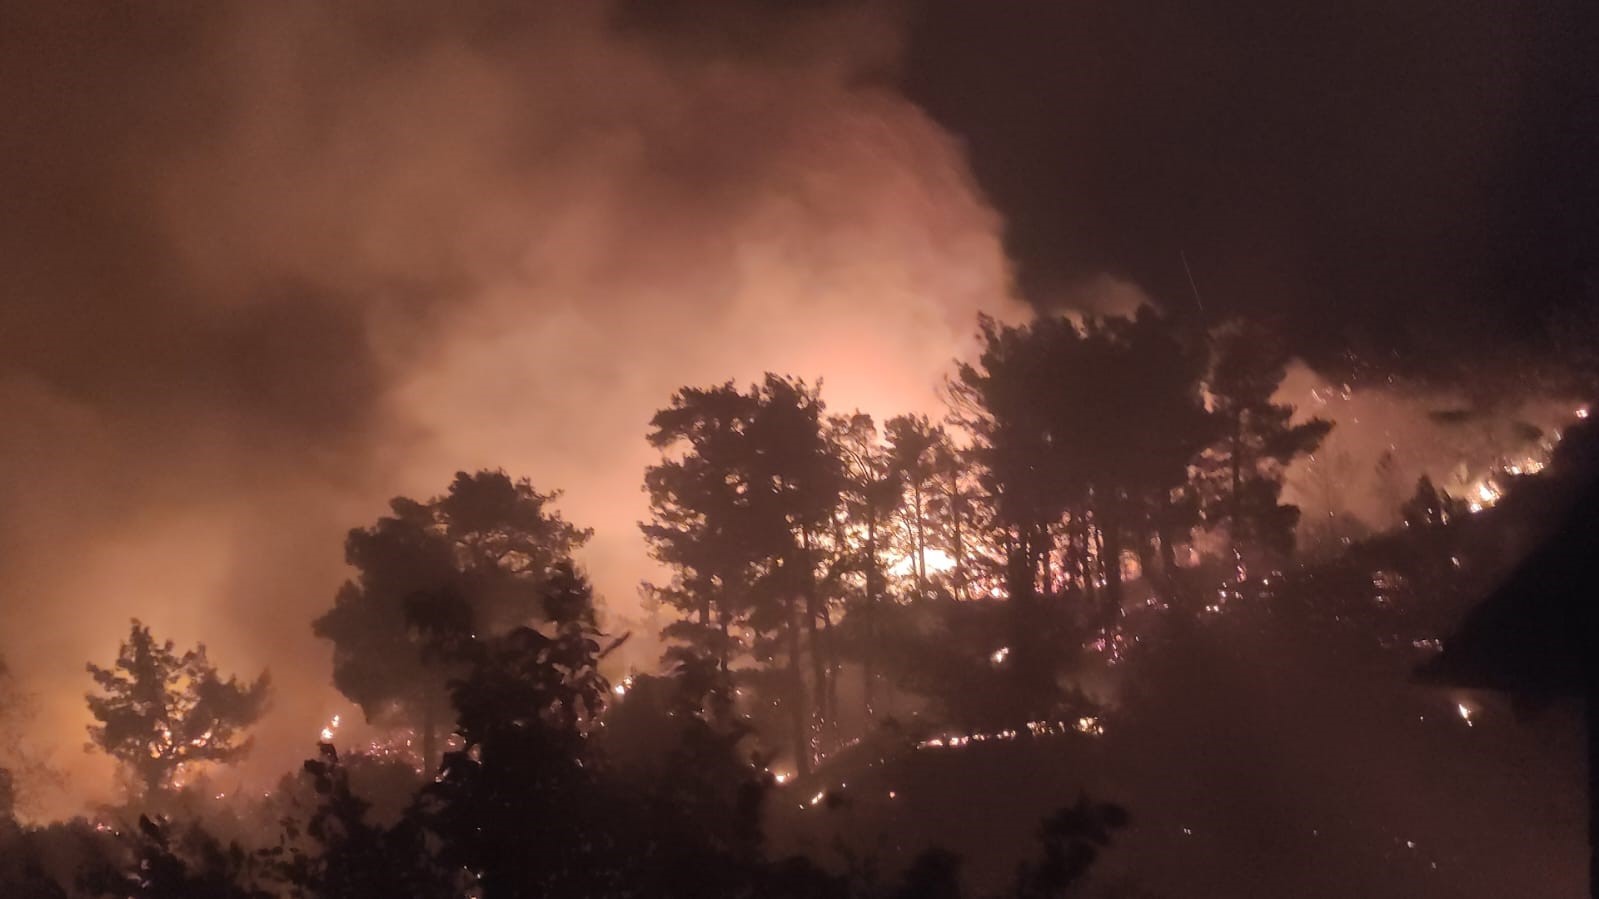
point(270, 264)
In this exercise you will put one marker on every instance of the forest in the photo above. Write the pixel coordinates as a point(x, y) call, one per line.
point(1051, 565)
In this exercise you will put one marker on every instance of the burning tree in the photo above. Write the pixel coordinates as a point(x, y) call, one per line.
point(161, 710)
point(434, 577)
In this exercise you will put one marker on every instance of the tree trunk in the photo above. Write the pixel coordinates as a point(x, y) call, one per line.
point(1026, 662)
point(1082, 541)
point(1111, 559)
point(430, 747)
point(724, 617)
point(921, 543)
point(1168, 554)
point(797, 702)
point(830, 707)
point(869, 650)
point(813, 612)
point(956, 507)
point(727, 638)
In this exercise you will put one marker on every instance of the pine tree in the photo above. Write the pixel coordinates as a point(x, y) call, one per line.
point(704, 519)
point(873, 494)
point(742, 507)
point(1242, 473)
point(161, 711)
point(913, 443)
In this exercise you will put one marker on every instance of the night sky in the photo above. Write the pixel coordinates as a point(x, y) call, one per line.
point(1366, 171)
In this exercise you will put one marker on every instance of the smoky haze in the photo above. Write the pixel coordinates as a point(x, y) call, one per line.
point(271, 264)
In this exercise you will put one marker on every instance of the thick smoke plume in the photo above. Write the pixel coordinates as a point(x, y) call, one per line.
point(270, 264)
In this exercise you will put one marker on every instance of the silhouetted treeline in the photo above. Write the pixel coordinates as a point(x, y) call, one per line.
point(1072, 454)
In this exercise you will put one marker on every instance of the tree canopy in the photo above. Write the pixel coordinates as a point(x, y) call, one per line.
point(433, 576)
point(159, 711)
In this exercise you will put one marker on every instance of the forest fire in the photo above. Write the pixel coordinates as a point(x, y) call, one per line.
point(725, 449)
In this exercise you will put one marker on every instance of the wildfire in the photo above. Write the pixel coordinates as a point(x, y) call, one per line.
point(1483, 496)
point(934, 559)
point(331, 729)
point(1088, 724)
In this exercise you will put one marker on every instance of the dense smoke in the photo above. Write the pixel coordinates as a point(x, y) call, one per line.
point(1386, 436)
point(269, 264)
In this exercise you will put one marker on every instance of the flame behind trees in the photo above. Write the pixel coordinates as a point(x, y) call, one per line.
point(794, 538)
point(872, 496)
point(1085, 434)
point(161, 711)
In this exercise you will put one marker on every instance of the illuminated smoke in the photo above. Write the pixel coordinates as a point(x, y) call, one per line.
point(1387, 436)
point(320, 254)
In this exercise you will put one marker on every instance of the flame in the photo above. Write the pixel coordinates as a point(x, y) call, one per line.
point(1088, 724)
point(936, 561)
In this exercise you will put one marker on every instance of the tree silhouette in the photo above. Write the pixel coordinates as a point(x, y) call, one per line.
point(705, 522)
point(1431, 507)
point(872, 494)
point(354, 857)
point(692, 813)
point(742, 506)
point(1085, 434)
point(798, 481)
point(433, 577)
point(1242, 473)
point(515, 805)
point(1006, 401)
point(161, 711)
point(913, 443)
point(181, 861)
point(1072, 838)
point(960, 516)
